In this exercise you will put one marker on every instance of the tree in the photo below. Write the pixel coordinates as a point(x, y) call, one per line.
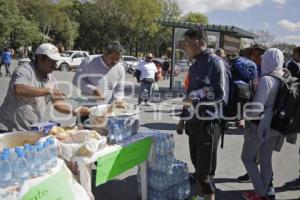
point(263, 36)
point(286, 48)
point(170, 10)
point(163, 37)
point(195, 18)
point(25, 33)
point(9, 14)
point(140, 18)
point(55, 24)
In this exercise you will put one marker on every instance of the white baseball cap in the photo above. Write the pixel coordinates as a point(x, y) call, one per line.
point(149, 55)
point(49, 50)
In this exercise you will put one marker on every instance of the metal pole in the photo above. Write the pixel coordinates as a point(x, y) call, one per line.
point(173, 59)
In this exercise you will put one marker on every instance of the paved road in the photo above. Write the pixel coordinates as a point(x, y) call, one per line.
point(285, 163)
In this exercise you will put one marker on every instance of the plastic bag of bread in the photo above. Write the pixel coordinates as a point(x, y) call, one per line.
point(88, 148)
point(59, 132)
point(80, 143)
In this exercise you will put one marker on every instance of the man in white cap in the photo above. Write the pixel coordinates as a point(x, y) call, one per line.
point(31, 88)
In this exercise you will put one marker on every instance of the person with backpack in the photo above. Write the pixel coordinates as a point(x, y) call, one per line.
point(208, 86)
point(254, 53)
point(260, 138)
point(293, 66)
point(243, 72)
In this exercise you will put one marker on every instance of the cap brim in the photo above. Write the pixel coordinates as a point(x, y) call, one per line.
point(55, 57)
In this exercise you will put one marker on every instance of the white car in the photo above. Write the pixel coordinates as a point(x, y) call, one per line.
point(71, 60)
point(130, 63)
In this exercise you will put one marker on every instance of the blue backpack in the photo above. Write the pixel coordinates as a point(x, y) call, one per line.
point(243, 71)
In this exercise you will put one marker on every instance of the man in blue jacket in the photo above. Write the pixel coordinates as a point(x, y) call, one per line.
point(208, 87)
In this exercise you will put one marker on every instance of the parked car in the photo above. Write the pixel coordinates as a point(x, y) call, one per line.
point(71, 60)
point(130, 63)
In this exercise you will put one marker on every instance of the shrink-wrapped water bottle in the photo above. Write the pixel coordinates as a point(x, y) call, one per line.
point(6, 172)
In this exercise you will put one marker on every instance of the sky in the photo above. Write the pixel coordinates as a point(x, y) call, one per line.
point(280, 17)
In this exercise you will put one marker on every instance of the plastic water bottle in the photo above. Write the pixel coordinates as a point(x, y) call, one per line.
point(128, 128)
point(27, 150)
point(110, 126)
point(20, 168)
point(38, 144)
point(39, 161)
point(47, 155)
point(111, 139)
point(122, 129)
point(118, 133)
point(31, 162)
point(52, 153)
point(6, 172)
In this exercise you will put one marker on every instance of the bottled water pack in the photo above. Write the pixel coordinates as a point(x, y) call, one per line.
point(19, 164)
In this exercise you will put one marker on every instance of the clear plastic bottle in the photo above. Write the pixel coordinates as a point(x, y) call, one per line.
point(118, 133)
point(20, 169)
point(6, 173)
point(39, 161)
point(47, 155)
point(111, 138)
point(31, 162)
point(110, 126)
point(27, 150)
point(52, 150)
point(38, 144)
point(128, 128)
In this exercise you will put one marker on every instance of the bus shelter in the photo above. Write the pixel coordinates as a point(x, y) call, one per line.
point(219, 36)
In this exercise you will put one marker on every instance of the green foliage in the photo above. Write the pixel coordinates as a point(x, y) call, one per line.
point(8, 17)
point(25, 33)
point(89, 26)
point(195, 18)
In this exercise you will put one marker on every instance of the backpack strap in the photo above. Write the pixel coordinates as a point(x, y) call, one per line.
point(214, 59)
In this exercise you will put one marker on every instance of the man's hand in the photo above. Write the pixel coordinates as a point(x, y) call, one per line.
point(98, 94)
point(187, 102)
point(56, 94)
point(81, 111)
point(180, 127)
point(120, 103)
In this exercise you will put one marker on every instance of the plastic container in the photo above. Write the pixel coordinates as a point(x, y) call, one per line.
point(6, 172)
point(43, 126)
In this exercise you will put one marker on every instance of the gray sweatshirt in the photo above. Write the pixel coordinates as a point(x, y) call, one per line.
point(94, 74)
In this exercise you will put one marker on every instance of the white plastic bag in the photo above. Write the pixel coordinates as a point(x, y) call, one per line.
point(155, 87)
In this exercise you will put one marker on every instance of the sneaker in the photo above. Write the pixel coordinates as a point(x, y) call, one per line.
point(251, 195)
point(244, 178)
point(293, 185)
point(271, 194)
